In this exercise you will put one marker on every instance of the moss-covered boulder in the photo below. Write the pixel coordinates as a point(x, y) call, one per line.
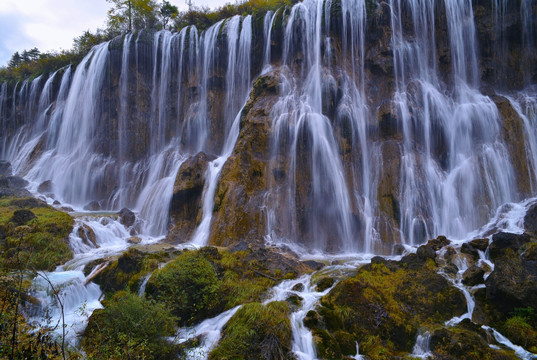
point(33, 234)
point(382, 308)
point(188, 286)
point(465, 342)
point(256, 331)
point(126, 271)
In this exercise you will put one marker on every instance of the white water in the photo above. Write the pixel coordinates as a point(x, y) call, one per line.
point(422, 347)
point(210, 330)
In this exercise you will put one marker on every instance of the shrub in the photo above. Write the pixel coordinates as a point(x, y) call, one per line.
point(129, 327)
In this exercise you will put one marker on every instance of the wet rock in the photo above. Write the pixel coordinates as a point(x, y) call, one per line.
point(126, 217)
point(134, 240)
point(513, 133)
point(503, 241)
point(438, 243)
point(45, 187)
point(513, 283)
point(13, 186)
point(530, 219)
point(21, 217)
point(93, 206)
point(298, 287)
point(398, 249)
point(311, 319)
point(315, 265)
point(324, 283)
point(240, 193)
point(473, 276)
point(67, 209)
point(56, 203)
point(5, 168)
point(87, 235)
point(186, 203)
point(387, 121)
point(426, 251)
point(468, 249)
point(295, 301)
point(241, 246)
point(460, 343)
point(480, 244)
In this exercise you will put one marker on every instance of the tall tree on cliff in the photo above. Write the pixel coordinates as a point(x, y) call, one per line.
point(129, 15)
point(168, 12)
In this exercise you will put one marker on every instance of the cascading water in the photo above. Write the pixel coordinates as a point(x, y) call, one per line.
point(117, 128)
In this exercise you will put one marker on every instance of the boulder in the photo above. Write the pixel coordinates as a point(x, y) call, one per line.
point(126, 217)
point(5, 168)
point(513, 283)
point(502, 241)
point(45, 187)
point(134, 240)
point(473, 276)
point(480, 244)
point(93, 206)
point(13, 186)
point(87, 235)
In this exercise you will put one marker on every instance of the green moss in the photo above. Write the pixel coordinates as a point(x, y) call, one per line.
point(126, 272)
point(188, 286)
point(256, 332)
point(129, 327)
point(383, 307)
point(42, 242)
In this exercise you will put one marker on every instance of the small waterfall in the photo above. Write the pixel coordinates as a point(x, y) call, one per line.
point(211, 329)
point(422, 347)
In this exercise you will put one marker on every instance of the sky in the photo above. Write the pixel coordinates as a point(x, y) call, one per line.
point(53, 24)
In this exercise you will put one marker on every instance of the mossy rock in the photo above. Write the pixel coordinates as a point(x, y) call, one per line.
point(126, 271)
point(34, 234)
point(385, 304)
point(459, 343)
point(256, 331)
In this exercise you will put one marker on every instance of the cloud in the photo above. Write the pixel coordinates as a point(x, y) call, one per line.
point(53, 24)
point(46, 24)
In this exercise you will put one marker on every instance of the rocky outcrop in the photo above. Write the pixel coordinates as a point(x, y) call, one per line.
point(513, 133)
point(126, 217)
point(186, 203)
point(239, 197)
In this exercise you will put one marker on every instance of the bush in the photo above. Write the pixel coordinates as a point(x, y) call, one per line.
point(129, 327)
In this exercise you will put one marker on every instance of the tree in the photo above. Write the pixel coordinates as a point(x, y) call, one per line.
point(168, 12)
point(15, 61)
point(128, 15)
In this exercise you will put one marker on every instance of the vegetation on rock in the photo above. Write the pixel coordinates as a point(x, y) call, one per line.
point(256, 331)
point(130, 327)
point(34, 234)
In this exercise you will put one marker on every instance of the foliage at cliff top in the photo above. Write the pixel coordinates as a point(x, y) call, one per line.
point(33, 235)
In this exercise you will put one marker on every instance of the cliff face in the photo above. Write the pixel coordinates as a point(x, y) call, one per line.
point(339, 126)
